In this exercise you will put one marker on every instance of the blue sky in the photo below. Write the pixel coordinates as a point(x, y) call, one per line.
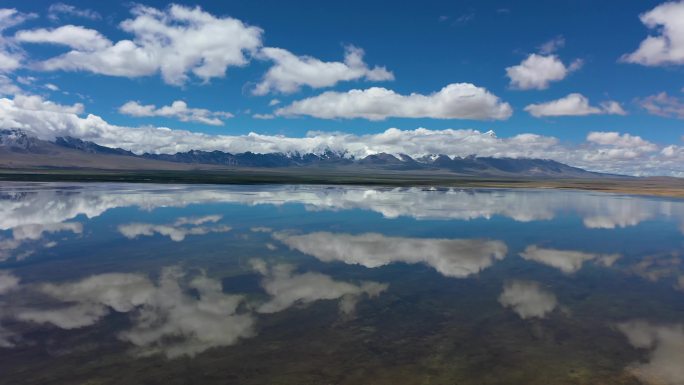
point(421, 47)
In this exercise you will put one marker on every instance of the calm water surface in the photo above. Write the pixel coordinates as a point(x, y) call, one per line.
point(150, 284)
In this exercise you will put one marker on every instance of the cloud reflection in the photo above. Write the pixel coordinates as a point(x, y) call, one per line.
point(456, 258)
point(178, 314)
point(176, 231)
point(288, 288)
point(567, 261)
point(527, 299)
point(33, 233)
point(54, 203)
point(166, 317)
point(665, 344)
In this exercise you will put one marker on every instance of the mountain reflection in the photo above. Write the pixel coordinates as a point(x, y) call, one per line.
point(50, 204)
point(317, 282)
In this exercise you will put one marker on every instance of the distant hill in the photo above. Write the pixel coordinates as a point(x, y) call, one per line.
point(20, 150)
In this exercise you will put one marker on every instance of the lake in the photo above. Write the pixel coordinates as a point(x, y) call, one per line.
point(176, 284)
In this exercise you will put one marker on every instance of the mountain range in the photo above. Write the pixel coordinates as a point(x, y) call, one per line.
point(19, 150)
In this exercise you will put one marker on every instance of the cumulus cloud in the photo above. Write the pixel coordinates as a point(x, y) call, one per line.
point(176, 231)
point(665, 344)
point(177, 110)
point(667, 46)
point(664, 105)
point(34, 103)
point(573, 105)
point(58, 10)
point(567, 261)
point(458, 258)
point(288, 288)
point(176, 41)
point(537, 71)
point(78, 38)
point(454, 101)
point(527, 299)
point(48, 120)
point(290, 72)
point(621, 140)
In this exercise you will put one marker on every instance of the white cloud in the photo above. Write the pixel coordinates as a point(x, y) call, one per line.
point(288, 288)
point(665, 344)
point(537, 71)
point(621, 140)
point(48, 120)
point(51, 87)
point(552, 45)
point(527, 299)
point(7, 86)
point(567, 261)
point(78, 38)
point(458, 258)
point(664, 105)
point(26, 80)
point(454, 101)
point(178, 110)
point(615, 147)
point(290, 72)
point(573, 105)
point(274, 102)
point(11, 57)
point(177, 231)
point(667, 46)
point(36, 103)
point(175, 41)
point(57, 10)
point(263, 116)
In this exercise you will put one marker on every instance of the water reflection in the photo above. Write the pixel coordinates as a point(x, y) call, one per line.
point(567, 261)
point(287, 288)
point(527, 299)
point(176, 231)
point(456, 258)
point(665, 344)
point(284, 284)
point(53, 203)
point(182, 313)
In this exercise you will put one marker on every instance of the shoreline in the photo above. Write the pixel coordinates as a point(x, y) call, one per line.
point(648, 186)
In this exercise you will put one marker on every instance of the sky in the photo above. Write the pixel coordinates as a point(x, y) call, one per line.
point(597, 85)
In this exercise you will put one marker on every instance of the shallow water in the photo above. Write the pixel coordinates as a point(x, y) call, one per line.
point(146, 284)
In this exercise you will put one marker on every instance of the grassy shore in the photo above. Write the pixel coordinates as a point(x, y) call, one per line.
point(660, 186)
